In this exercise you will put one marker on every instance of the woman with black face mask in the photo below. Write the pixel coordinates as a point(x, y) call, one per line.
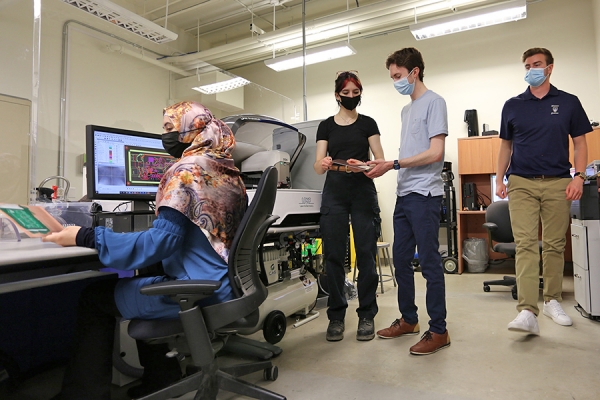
point(344, 144)
point(200, 202)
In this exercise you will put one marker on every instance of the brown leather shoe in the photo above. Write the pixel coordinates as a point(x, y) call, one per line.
point(398, 328)
point(430, 343)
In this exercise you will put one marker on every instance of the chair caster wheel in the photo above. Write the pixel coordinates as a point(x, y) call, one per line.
point(270, 374)
point(486, 288)
point(514, 293)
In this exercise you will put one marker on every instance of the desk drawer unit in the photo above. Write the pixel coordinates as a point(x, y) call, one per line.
point(585, 240)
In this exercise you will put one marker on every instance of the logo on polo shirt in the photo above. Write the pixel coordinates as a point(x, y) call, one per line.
point(554, 109)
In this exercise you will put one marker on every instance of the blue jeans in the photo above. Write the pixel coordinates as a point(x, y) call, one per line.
point(350, 196)
point(417, 223)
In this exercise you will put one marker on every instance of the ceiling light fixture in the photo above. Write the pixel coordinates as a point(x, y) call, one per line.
point(124, 18)
point(313, 56)
point(493, 15)
point(223, 86)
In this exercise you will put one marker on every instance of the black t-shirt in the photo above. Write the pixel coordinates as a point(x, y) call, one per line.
point(349, 141)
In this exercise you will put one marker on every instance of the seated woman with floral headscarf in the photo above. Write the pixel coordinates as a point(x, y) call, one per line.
point(199, 205)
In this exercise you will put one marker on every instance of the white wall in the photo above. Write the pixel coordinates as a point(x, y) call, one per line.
point(16, 23)
point(596, 17)
point(478, 69)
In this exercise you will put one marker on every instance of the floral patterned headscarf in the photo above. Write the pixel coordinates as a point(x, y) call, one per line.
point(204, 184)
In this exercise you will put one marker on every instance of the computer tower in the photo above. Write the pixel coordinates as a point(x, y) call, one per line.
point(469, 197)
point(472, 122)
point(128, 221)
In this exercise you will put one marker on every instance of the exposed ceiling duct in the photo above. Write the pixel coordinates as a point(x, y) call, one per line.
point(376, 18)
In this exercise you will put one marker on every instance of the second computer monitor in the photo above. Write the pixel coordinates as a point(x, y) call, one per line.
point(493, 186)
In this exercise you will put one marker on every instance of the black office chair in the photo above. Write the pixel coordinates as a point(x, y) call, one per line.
point(210, 329)
point(501, 240)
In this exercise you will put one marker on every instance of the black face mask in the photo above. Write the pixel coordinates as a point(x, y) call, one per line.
point(349, 103)
point(172, 145)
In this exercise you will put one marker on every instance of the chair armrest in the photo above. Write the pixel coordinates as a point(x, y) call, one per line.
point(185, 293)
point(181, 287)
point(490, 226)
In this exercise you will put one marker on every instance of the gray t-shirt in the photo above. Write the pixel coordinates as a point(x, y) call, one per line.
point(422, 119)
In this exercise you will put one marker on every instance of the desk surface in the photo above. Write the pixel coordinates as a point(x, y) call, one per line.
point(32, 258)
point(34, 250)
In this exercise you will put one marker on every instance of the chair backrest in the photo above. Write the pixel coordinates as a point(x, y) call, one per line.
point(498, 214)
point(243, 274)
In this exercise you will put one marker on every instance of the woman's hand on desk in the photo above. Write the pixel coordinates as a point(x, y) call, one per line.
point(66, 237)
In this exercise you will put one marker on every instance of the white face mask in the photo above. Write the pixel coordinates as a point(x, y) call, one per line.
point(403, 86)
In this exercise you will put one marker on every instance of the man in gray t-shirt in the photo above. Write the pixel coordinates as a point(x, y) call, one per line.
point(418, 202)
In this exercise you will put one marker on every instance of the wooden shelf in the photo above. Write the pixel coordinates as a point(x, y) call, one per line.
point(478, 159)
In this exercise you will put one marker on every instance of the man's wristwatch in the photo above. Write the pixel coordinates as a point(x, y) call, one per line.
point(396, 165)
point(579, 174)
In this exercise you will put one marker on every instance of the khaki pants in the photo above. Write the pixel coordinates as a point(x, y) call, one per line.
point(532, 200)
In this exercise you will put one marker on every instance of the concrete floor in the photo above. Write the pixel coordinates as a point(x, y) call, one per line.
point(485, 360)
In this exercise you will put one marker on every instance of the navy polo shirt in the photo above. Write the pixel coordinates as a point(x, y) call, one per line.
point(540, 129)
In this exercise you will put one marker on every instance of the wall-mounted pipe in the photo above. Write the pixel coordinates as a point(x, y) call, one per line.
point(117, 48)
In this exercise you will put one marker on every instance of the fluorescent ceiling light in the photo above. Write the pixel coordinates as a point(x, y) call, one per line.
point(505, 12)
point(124, 18)
point(313, 56)
point(312, 36)
point(223, 86)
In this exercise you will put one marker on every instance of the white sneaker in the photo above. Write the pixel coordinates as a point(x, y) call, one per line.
point(553, 310)
point(526, 321)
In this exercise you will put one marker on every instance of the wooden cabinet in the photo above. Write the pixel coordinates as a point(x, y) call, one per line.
point(477, 155)
point(477, 160)
point(593, 145)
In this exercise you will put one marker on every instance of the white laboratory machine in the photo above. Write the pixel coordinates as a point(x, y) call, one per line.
point(289, 262)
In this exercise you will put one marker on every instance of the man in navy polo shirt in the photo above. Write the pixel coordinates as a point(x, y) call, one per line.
point(535, 131)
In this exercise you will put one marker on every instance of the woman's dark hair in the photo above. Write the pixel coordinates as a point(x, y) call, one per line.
point(345, 77)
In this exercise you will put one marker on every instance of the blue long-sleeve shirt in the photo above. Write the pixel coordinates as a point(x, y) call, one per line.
point(182, 247)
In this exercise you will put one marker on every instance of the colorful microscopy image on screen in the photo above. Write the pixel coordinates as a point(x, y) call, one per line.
point(146, 166)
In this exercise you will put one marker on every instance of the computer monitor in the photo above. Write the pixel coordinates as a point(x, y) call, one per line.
point(124, 165)
point(493, 182)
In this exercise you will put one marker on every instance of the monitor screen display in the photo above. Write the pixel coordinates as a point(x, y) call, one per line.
point(124, 165)
point(493, 182)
